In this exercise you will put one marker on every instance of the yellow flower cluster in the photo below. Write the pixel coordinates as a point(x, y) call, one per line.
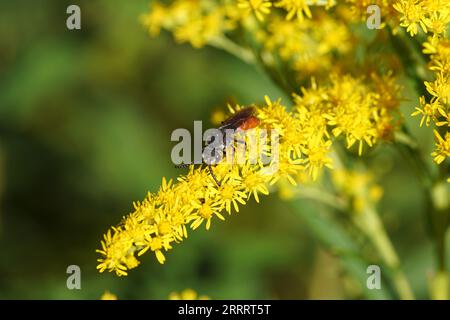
point(434, 17)
point(428, 15)
point(355, 108)
point(362, 112)
point(437, 109)
point(197, 21)
point(201, 22)
point(311, 47)
point(317, 46)
point(359, 10)
point(292, 8)
point(358, 186)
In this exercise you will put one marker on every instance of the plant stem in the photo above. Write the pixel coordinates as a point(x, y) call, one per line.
point(439, 286)
point(370, 223)
point(232, 48)
point(412, 154)
point(252, 58)
point(435, 187)
point(321, 196)
point(413, 61)
point(437, 193)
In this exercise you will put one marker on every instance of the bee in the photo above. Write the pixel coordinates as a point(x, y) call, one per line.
point(244, 119)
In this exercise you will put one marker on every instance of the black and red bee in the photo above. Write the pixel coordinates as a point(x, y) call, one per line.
point(244, 119)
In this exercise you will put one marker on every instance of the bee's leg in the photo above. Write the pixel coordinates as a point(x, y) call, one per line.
point(233, 149)
point(213, 175)
point(239, 137)
point(241, 143)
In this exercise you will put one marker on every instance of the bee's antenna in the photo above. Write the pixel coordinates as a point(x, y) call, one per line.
point(212, 174)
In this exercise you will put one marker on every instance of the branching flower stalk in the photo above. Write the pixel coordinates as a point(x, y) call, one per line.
point(433, 17)
point(310, 50)
point(346, 107)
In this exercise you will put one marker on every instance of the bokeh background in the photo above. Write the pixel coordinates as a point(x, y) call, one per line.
point(85, 124)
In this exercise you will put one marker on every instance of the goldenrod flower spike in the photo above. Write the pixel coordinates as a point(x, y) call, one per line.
point(435, 15)
point(304, 145)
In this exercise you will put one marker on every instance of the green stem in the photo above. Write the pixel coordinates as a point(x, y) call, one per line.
point(413, 154)
point(436, 190)
point(413, 61)
point(322, 196)
point(232, 48)
point(434, 186)
point(439, 287)
point(252, 58)
point(371, 225)
point(369, 222)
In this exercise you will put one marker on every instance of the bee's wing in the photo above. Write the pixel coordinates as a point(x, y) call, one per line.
point(237, 119)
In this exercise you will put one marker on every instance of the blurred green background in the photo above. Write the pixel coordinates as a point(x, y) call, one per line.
point(85, 124)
